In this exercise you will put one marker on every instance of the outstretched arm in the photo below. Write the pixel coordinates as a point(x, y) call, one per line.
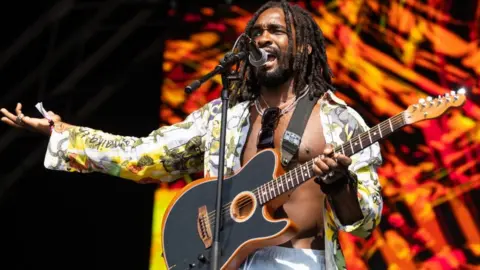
point(165, 154)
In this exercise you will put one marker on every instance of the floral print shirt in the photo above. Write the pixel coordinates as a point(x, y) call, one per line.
point(171, 152)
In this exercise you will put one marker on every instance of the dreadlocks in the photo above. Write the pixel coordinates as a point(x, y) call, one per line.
point(311, 69)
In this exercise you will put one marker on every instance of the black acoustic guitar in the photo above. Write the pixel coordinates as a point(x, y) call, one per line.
point(252, 195)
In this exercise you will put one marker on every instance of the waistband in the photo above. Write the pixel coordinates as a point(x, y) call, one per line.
point(290, 251)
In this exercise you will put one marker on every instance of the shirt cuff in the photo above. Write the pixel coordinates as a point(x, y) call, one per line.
point(56, 155)
point(370, 211)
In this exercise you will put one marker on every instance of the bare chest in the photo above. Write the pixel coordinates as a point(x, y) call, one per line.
point(312, 143)
point(305, 203)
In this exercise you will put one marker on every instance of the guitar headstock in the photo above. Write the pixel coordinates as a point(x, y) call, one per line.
point(430, 108)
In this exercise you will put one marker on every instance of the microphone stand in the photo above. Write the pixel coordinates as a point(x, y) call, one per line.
point(227, 76)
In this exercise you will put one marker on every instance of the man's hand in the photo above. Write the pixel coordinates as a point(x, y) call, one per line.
point(19, 120)
point(331, 166)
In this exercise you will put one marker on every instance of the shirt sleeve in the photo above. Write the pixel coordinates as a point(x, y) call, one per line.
point(165, 154)
point(364, 166)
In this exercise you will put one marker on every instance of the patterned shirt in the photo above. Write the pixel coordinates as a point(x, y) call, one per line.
point(171, 152)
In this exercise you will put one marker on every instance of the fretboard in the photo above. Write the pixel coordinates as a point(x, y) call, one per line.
point(304, 172)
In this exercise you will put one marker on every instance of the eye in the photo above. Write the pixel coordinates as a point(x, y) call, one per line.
point(276, 30)
point(256, 33)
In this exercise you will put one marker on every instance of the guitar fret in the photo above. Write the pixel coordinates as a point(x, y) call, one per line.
point(259, 198)
point(380, 131)
point(264, 192)
point(351, 146)
point(307, 176)
point(360, 139)
point(267, 188)
point(272, 189)
point(370, 136)
point(390, 122)
point(291, 180)
point(281, 184)
point(343, 151)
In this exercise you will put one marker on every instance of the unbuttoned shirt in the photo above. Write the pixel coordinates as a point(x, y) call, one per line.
point(191, 146)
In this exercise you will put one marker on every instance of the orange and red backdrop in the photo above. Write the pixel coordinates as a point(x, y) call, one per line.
point(385, 55)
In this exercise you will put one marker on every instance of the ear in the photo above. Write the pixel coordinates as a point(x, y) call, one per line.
point(309, 48)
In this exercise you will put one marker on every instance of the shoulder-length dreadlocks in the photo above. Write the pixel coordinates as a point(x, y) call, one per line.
point(311, 69)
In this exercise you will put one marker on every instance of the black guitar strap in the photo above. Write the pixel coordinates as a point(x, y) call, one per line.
point(293, 135)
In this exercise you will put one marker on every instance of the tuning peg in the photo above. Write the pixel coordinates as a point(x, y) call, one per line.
point(439, 100)
point(422, 102)
point(447, 97)
point(430, 100)
point(462, 91)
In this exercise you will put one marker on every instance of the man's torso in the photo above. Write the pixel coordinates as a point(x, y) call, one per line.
point(304, 205)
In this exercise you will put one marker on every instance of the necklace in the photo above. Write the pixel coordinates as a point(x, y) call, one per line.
point(284, 110)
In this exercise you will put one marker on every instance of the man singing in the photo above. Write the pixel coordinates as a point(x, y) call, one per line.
point(345, 194)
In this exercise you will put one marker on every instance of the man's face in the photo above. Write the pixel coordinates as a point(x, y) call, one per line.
point(270, 34)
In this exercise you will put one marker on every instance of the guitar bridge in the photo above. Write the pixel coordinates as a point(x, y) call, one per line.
point(204, 227)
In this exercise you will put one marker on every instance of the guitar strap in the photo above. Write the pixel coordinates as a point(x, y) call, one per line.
point(293, 135)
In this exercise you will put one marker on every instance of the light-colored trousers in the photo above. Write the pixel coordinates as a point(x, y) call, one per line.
point(281, 258)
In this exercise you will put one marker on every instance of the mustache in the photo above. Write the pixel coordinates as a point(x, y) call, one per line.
point(273, 51)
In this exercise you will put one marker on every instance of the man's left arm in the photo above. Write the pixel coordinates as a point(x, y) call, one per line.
point(354, 197)
point(357, 208)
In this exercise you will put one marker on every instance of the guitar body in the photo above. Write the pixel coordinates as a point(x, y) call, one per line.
point(187, 234)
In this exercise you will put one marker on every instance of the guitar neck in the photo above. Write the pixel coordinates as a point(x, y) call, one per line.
point(304, 172)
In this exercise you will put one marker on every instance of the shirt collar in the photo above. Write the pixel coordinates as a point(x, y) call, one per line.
point(332, 98)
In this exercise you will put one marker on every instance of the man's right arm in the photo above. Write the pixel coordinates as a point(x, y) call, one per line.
point(166, 154)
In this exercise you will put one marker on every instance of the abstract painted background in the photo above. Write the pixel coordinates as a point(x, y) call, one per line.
point(385, 56)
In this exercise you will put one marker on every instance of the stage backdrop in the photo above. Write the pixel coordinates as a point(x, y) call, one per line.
point(385, 56)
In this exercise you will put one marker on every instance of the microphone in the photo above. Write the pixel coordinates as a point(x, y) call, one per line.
point(257, 57)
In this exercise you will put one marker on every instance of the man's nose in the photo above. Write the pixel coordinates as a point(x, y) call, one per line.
point(264, 40)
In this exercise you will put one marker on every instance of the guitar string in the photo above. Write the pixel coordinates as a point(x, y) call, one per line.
point(243, 203)
point(385, 125)
point(270, 183)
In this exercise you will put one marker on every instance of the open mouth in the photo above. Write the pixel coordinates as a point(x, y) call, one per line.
point(271, 58)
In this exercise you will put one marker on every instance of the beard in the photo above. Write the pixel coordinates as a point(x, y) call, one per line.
point(271, 79)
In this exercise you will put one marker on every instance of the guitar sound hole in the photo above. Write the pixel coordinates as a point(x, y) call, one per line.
point(243, 206)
